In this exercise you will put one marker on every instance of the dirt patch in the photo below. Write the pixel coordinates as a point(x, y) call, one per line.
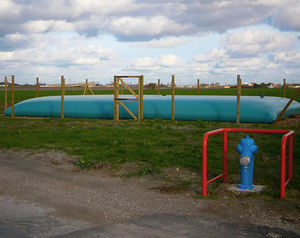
point(175, 189)
point(55, 157)
point(179, 174)
point(255, 211)
point(49, 178)
point(291, 121)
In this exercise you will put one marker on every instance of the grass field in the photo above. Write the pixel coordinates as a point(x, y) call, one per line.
point(152, 145)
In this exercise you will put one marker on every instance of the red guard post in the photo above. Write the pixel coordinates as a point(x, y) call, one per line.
point(288, 135)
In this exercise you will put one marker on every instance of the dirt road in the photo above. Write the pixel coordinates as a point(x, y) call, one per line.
point(42, 194)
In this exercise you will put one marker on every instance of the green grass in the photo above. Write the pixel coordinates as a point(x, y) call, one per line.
point(153, 144)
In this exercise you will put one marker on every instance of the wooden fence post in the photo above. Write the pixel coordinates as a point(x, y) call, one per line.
point(158, 86)
point(122, 88)
point(116, 96)
point(173, 97)
point(284, 88)
point(198, 86)
point(12, 96)
point(141, 97)
point(5, 93)
point(62, 96)
point(37, 87)
point(239, 92)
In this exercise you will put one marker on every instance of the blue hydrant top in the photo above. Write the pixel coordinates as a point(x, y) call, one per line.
point(247, 147)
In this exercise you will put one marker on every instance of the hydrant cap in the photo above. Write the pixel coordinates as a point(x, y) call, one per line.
point(247, 141)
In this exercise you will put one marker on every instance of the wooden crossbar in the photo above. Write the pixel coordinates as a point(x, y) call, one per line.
point(134, 94)
point(127, 76)
point(287, 105)
point(127, 109)
point(90, 90)
point(127, 99)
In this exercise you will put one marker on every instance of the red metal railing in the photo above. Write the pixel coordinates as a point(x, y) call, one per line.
point(288, 135)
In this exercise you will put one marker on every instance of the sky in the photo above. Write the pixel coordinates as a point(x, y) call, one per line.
point(209, 40)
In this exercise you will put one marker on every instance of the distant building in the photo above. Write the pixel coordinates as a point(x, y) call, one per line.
point(270, 85)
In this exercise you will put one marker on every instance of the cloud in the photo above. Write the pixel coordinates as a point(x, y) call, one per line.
point(250, 51)
point(289, 58)
point(168, 60)
point(256, 42)
point(209, 56)
point(150, 64)
point(142, 28)
point(57, 52)
point(9, 9)
point(11, 42)
point(131, 20)
point(41, 26)
point(165, 42)
point(287, 17)
point(145, 63)
point(50, 34)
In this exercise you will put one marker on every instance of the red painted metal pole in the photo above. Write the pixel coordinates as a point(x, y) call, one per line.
point(288, 135)
point(251, 130)
point(290, 171)
point(215, 178)
point(204, 158)
point(282, 167)
point(204, 165)
point(225, 156)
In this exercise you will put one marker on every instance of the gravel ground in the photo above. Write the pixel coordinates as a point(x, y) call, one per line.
point(46, 184)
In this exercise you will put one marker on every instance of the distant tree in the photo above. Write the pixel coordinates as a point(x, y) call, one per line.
point(255, 85)
point(263, 85)
point(150, 85)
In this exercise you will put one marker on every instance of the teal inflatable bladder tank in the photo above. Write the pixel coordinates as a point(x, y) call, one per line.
point(208, 108)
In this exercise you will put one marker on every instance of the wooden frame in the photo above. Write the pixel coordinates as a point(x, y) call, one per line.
point(138, 97)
